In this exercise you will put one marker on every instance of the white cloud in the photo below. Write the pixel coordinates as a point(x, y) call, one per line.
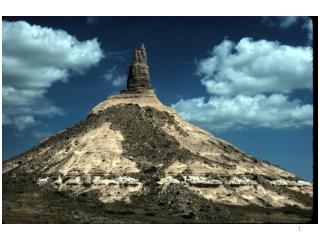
point(119, 81)
point(309, 27)
point(250, 67)
point(92, 20)
point(40, 134)
point(250, 83)
point(116, 80)
point(34, 58)
point(288, 21)
point(21, 122)
point(109, 74)
point(121, 55)
point(220, 113)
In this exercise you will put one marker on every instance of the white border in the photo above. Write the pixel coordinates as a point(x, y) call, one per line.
point(157, 8)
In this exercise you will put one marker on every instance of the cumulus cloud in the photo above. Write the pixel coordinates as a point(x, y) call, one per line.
point(34, 58)
point(250, 67)
point(112, 76)
point(221, 112)
point(250, 83)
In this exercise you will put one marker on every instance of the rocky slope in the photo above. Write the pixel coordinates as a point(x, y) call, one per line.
point(134, 160)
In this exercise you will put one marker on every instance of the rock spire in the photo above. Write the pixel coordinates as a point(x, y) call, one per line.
point(138, 74)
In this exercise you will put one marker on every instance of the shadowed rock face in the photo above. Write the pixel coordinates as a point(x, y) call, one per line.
point(138, 74)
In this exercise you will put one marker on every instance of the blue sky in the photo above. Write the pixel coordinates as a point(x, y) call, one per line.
point(245, 79)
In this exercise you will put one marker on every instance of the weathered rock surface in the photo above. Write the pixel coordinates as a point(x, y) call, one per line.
point(132, 149)
point(138, 74)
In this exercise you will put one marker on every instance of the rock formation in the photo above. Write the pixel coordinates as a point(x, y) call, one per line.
point(135, 160)
point(138, 74)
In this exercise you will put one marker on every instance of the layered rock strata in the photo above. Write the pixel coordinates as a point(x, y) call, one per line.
point(138, 74)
